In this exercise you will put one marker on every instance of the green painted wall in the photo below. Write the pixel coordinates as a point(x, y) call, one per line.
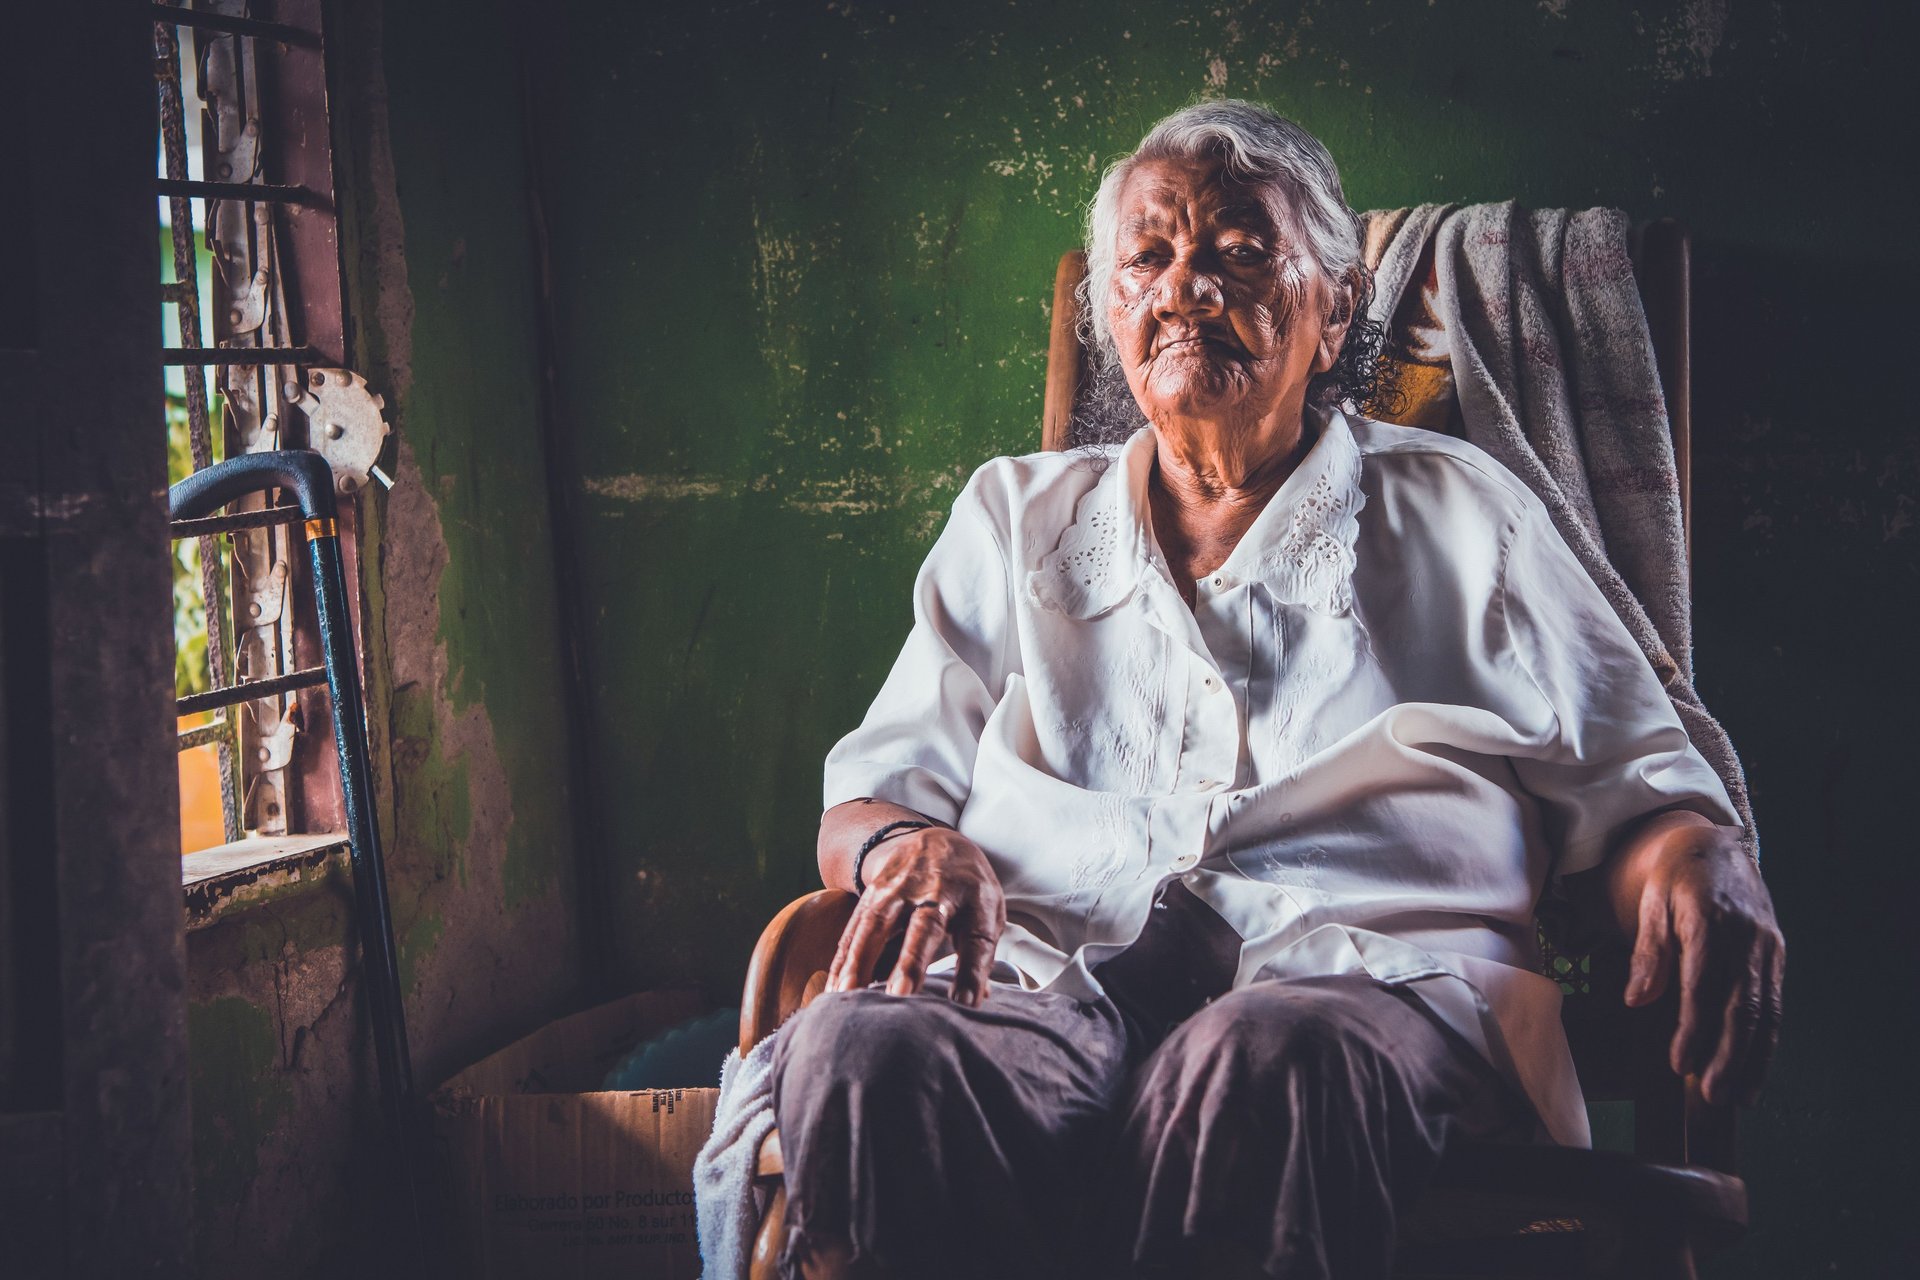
point(802, 258)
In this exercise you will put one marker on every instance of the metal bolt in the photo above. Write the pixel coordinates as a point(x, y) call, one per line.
point(316, 379)
point(291, 391)
point(235, 316)
point(265, 755)
point(253, 609)
point(273, 810)
point(226, 171)
point(348, 484)
point(335, 431)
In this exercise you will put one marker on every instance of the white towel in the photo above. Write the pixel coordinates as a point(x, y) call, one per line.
point(726, 1205)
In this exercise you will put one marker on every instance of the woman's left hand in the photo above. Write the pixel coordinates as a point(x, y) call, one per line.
point(1695, 906)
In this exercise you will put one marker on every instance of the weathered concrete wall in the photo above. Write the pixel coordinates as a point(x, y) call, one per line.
point(465, 682)
point(803, 257)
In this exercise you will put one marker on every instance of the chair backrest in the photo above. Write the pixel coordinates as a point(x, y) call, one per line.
point(1620, 1053)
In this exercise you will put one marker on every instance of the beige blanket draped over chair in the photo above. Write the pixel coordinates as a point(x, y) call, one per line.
point(1522, 330)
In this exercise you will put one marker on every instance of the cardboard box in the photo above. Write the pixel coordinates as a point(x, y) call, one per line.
point(553, 1179)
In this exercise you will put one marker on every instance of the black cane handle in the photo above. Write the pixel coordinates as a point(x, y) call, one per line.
point(303, 471)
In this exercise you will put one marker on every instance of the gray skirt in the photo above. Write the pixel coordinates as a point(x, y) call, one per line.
point(1171, 1127)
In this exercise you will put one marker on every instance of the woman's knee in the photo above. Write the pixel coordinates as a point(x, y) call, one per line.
point(1258, 1055)
point(1276, 1026)
point(867, 1042)
point(1259, 1116)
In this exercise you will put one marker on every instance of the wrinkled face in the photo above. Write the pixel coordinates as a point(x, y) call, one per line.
point(1217, 315)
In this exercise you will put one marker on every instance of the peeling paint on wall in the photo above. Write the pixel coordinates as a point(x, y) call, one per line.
point(856, 493)
point(454, 803)
point(639, 488)
point(1686, 41)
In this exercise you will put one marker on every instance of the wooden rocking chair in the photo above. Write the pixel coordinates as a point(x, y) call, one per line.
point(1545, 1213)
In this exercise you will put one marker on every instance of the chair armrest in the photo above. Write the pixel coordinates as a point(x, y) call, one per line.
point(1708, 1206)
point(790, 962)
point(1621, 1054)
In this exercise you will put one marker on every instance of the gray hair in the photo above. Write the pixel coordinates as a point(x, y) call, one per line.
point(1260, 148)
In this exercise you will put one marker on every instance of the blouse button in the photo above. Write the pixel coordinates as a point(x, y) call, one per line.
point(1185, 861)
point(1209, 682)
point(1218, 581)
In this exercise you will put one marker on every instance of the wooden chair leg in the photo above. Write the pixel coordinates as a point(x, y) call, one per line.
point(771, 1240)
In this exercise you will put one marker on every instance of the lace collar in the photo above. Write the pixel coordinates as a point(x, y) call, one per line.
point(1300, 547)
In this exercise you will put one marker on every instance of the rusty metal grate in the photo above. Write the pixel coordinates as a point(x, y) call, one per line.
point(248, 76)
point(183, 293)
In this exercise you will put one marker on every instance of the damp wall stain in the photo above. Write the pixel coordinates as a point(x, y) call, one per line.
point(276, 1045)
point(239, 1095)
point(803, 258)
point(482, 825)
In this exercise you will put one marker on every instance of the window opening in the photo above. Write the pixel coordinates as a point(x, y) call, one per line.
point(251, 240)
point(209, 777)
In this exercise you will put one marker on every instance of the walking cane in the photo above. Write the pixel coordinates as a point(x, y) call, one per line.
point(309, 478)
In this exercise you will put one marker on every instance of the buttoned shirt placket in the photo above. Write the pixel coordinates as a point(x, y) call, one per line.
point(1183, 823)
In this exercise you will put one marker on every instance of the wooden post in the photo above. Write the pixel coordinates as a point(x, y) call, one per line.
point(1064, 356)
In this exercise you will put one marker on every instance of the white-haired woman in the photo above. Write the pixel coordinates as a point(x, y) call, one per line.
point(1230, 761)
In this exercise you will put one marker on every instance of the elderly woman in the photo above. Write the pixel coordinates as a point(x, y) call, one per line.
point(1230, 762)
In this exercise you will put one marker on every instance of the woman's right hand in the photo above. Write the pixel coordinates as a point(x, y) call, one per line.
point(937, 887)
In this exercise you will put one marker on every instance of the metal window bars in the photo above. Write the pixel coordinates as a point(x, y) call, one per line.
point(262, 87)
point(184, 294)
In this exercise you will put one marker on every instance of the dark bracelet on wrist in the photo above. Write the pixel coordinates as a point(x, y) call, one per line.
point(874, 840)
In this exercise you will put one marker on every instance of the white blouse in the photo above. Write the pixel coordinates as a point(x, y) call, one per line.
point(1396, 709)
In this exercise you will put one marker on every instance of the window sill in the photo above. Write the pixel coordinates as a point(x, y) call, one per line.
point(232, 877)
